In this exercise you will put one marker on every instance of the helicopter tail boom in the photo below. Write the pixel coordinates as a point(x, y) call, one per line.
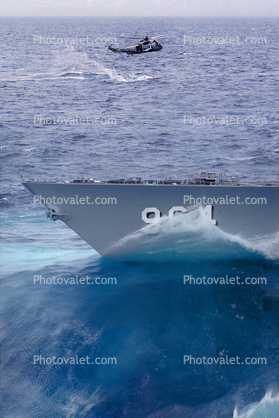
point(112, 49)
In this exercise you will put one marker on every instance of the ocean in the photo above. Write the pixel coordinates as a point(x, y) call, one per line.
point(142, 341)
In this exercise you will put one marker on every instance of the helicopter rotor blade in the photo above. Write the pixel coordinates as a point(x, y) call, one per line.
point(156, 37)
point(139, 37)
point(128, 37)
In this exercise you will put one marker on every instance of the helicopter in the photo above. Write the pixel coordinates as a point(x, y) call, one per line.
point(144, 45)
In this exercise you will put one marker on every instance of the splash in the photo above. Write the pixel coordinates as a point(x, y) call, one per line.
point(38, 245)
point(72, 64)
point(267, 407)
point(191, 236)
point(100, 72)
point(114, 76)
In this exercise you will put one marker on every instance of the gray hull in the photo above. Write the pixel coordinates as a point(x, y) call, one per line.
point(103, 225)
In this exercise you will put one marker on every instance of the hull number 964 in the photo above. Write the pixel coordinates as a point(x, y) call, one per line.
point(152, 214)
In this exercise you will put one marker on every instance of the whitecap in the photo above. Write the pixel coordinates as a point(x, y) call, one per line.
point(268, 407)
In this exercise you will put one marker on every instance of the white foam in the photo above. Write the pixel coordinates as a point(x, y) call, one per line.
point(40, 245)
point(190, 235)
point(17, 258)
point(268, 407)
point(72, 64)
point(113, 75)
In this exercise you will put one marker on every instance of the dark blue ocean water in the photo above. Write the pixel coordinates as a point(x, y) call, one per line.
point(155, 115)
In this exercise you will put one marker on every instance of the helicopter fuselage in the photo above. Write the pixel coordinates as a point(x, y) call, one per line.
point(140, 48)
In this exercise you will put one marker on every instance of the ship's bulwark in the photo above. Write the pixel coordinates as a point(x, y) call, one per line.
point(110, 217)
